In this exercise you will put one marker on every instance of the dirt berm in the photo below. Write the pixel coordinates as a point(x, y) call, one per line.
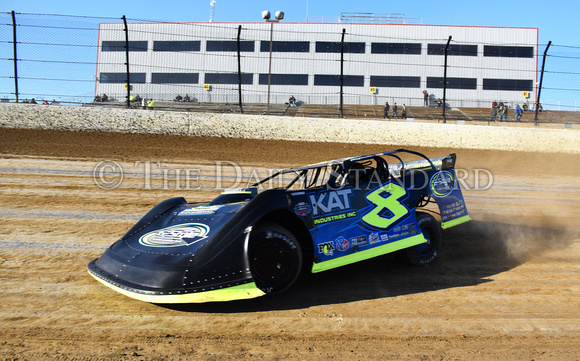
point(499, 136)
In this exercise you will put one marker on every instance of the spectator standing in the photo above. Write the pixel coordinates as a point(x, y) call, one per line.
point(425, 98)
point(404, 112)
point(493, 114)
point(386, 110)
point(502, 112)
point(518, 113)
point(395, 115)
point(150, 104)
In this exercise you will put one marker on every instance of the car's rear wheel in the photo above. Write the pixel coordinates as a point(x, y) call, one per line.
point(275, 258)
point(425, 253)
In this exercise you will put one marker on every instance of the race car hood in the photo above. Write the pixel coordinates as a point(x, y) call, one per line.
point(184, 247)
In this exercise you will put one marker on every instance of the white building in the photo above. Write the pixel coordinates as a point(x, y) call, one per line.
point(382, 62)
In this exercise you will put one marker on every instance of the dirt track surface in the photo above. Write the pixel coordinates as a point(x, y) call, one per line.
point(506, 285)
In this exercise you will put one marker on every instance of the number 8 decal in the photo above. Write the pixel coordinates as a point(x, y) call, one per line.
point(389, 208)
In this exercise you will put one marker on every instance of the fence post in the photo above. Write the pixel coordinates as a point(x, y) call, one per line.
point(239, 71)
point(340, 111)
point(541, 80)
point(128, 83)
point(15, 56)
point(445, 79)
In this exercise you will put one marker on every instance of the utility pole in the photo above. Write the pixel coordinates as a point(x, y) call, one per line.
point(128, 83)
point(445, 78)
point(541, 80)
point(340, 111)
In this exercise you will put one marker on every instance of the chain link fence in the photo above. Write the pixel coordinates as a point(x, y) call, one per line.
point(53, 58)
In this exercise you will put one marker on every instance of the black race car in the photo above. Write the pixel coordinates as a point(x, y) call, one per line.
point(256, 241)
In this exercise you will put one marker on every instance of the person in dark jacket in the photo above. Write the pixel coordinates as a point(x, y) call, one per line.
point(386, 110)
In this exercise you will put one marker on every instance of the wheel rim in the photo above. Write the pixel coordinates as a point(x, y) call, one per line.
point(271, 262)
point(425, 248)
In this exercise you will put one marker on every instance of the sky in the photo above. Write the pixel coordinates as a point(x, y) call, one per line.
point(557, 20)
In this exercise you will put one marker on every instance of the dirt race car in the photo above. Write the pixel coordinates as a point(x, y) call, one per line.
point(257, 240)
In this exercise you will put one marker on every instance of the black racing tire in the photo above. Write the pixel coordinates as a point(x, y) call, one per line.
point(425, 253)
point(275, 258)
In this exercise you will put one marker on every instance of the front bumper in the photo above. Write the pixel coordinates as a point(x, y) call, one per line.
point(217, 291)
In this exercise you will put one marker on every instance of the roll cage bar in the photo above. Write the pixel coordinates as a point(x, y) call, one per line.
point(315, 175)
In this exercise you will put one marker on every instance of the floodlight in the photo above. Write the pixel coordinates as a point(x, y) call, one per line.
point(279, 15)
point(266, 15)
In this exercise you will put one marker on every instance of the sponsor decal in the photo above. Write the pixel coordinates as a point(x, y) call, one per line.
point(359, 241)
point(342, 244)
point(201, 210)
point(326, 248)
point(330, 201)
point(334, 217)
point(302, 209)
point(384, 237)
point(442, 183)
point(374, 238)
point(175, 236)
point(454, 210)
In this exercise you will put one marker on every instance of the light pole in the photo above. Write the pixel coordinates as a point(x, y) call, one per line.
point(266, 16)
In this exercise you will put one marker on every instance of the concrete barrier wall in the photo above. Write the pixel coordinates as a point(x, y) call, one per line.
point(102, 119)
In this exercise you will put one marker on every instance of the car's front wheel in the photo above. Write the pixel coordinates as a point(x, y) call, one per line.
point(275, 258)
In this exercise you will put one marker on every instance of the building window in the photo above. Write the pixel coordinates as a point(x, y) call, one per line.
point(334, 47)
point(227, 78)
point(334, 80)
point(396, 81)
point(229, 45)
point(174, 78)
point(508, 51)
point(454, 49)
point(396, 48)
point(120, 46)
point(508, 84)
point(286, 46)
point(121, 78)
point(176, 46)
point(284, 79)
point(452, 83)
